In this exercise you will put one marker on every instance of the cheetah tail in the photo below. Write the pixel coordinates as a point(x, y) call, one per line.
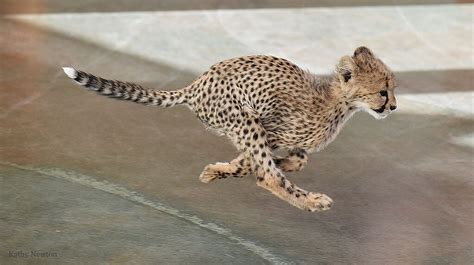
point(127, 91)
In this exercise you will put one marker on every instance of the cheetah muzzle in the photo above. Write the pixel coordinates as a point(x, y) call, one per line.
point(263, 103)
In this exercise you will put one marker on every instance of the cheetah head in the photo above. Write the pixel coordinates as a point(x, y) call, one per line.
point(367, 83)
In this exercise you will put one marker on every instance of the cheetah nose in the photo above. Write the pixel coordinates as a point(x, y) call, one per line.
point(393, 107)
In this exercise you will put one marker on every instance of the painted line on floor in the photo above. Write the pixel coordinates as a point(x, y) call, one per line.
point(135, 197)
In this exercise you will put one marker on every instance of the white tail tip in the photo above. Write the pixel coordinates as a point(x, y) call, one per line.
point(71, 72)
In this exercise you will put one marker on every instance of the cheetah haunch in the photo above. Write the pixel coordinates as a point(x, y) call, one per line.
point(263, 103)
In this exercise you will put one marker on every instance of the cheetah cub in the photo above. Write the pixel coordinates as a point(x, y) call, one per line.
point(262, 103)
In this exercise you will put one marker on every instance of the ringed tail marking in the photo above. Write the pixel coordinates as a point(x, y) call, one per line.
point(127, 91)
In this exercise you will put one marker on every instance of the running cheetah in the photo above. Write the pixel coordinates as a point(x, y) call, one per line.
point(262, 103)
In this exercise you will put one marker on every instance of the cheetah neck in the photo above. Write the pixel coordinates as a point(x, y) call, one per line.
point(337, 112)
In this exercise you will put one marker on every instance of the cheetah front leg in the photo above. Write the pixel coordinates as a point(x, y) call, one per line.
point(269, 176)
point(294, 161)
point(239, 167)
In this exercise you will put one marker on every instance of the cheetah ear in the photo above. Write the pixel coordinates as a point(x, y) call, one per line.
point(363, 58)
point(345, 68)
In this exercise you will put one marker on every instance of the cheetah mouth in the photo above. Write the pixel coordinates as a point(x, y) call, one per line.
point(380, 110)
point(380, 113)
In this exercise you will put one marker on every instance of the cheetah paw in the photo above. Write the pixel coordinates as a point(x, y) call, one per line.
point(316, 202)
point(207, 175)
point(211, 172)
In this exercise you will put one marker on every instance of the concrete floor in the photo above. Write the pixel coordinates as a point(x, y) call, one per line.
point(89, 180)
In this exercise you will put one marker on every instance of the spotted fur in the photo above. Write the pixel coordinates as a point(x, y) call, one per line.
point(263, 103)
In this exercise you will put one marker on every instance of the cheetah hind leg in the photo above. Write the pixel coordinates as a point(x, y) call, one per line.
point(239, 167)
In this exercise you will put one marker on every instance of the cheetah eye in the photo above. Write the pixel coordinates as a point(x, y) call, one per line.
point(383, 93)
point(347, 75)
